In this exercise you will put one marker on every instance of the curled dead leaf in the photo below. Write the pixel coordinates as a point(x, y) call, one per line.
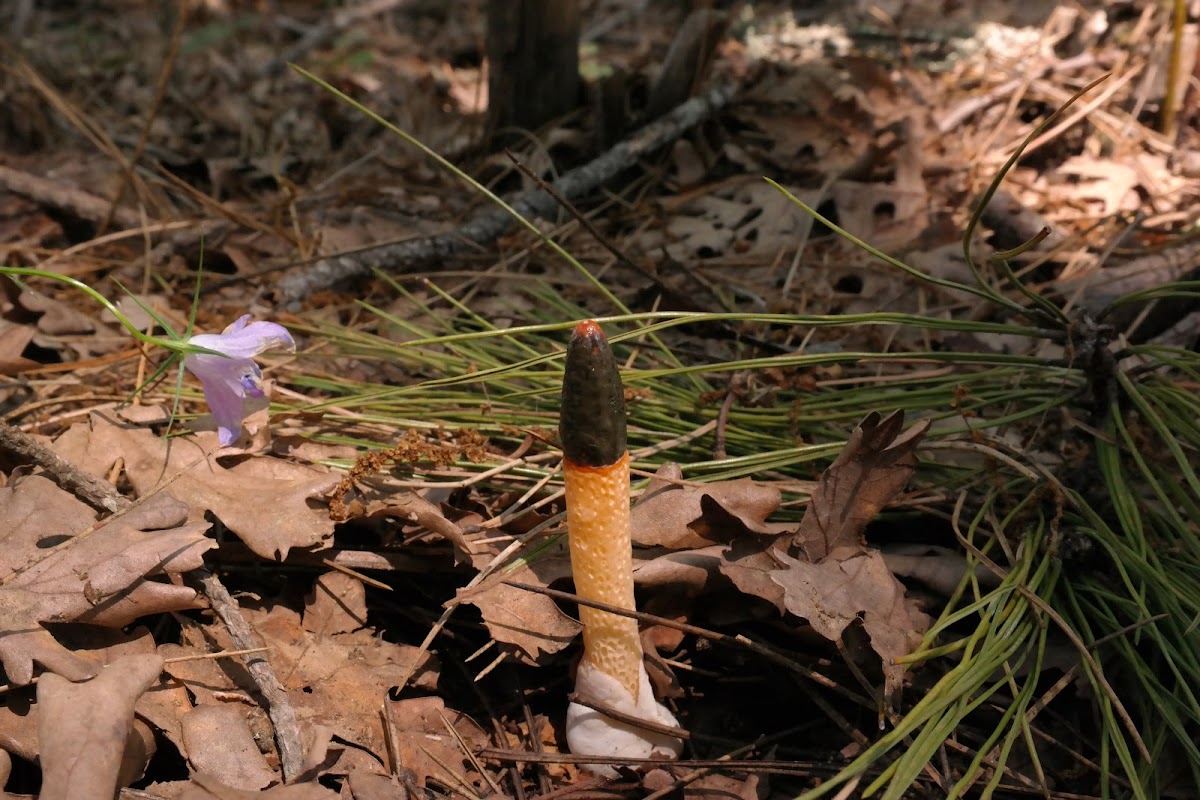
point(840, 582)
point(85, 728)
point(680, 515)
point(410, 508)
point(219, 741)
point(271, 504)
point(873, 466)
point(530, 622)
point(837, 593)
point(104, 576)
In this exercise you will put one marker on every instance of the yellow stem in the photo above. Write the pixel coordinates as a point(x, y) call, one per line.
point(598, 525)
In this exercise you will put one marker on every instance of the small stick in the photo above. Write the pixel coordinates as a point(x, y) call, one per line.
point(490, 224)
point(279, 706)
point(64, 198)
point(630, 719)
point(96, 492)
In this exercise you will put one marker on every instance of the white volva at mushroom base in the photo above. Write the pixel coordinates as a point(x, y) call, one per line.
point(590, 733)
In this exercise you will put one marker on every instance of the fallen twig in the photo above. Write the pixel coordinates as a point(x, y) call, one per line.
point(65, 198)
point(279, 706)
point(96, 492)
point(493, 222)
point(1097, 289)
point(92, 208)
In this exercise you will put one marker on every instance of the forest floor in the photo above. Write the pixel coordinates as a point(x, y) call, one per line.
point(363, 534)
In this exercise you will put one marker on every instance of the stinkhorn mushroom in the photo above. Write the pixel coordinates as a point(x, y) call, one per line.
point(596, 473)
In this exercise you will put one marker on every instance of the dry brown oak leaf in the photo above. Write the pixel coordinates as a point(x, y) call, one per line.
point(158, 706)
point(219, 741)
point(841, 581)
point(339, 680)
point(838, 592)
point(161, 704)
point(678, 515)
point(86, 729)
point(271, 504)
point(428, 748)
point(102, 574)
point(873, 466)
point(531, 624)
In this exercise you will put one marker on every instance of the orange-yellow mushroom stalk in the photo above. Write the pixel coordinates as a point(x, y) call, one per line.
point(596, 474)
point(602, 564)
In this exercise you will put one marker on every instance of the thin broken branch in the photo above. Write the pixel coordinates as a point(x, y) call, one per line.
point(96, 492)
point(279, 707)
point(491, 223)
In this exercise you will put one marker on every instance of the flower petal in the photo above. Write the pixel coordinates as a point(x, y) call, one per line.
point(230, 379)
point(226, 400)
point(247, 341)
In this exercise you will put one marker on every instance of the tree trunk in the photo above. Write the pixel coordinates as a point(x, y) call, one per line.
point(533, 61)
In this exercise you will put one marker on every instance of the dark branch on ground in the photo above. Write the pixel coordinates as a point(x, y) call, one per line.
point(492, 223)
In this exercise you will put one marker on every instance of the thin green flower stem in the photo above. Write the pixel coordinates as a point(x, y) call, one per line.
point(150, 312)
point(181, 348)
point(174, 346)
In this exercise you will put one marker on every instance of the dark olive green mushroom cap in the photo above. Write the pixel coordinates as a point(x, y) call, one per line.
point(591, 423)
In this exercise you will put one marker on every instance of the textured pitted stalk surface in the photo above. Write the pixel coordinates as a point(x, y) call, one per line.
point(602, 563)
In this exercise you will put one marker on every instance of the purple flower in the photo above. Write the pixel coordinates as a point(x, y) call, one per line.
point(230, 380)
